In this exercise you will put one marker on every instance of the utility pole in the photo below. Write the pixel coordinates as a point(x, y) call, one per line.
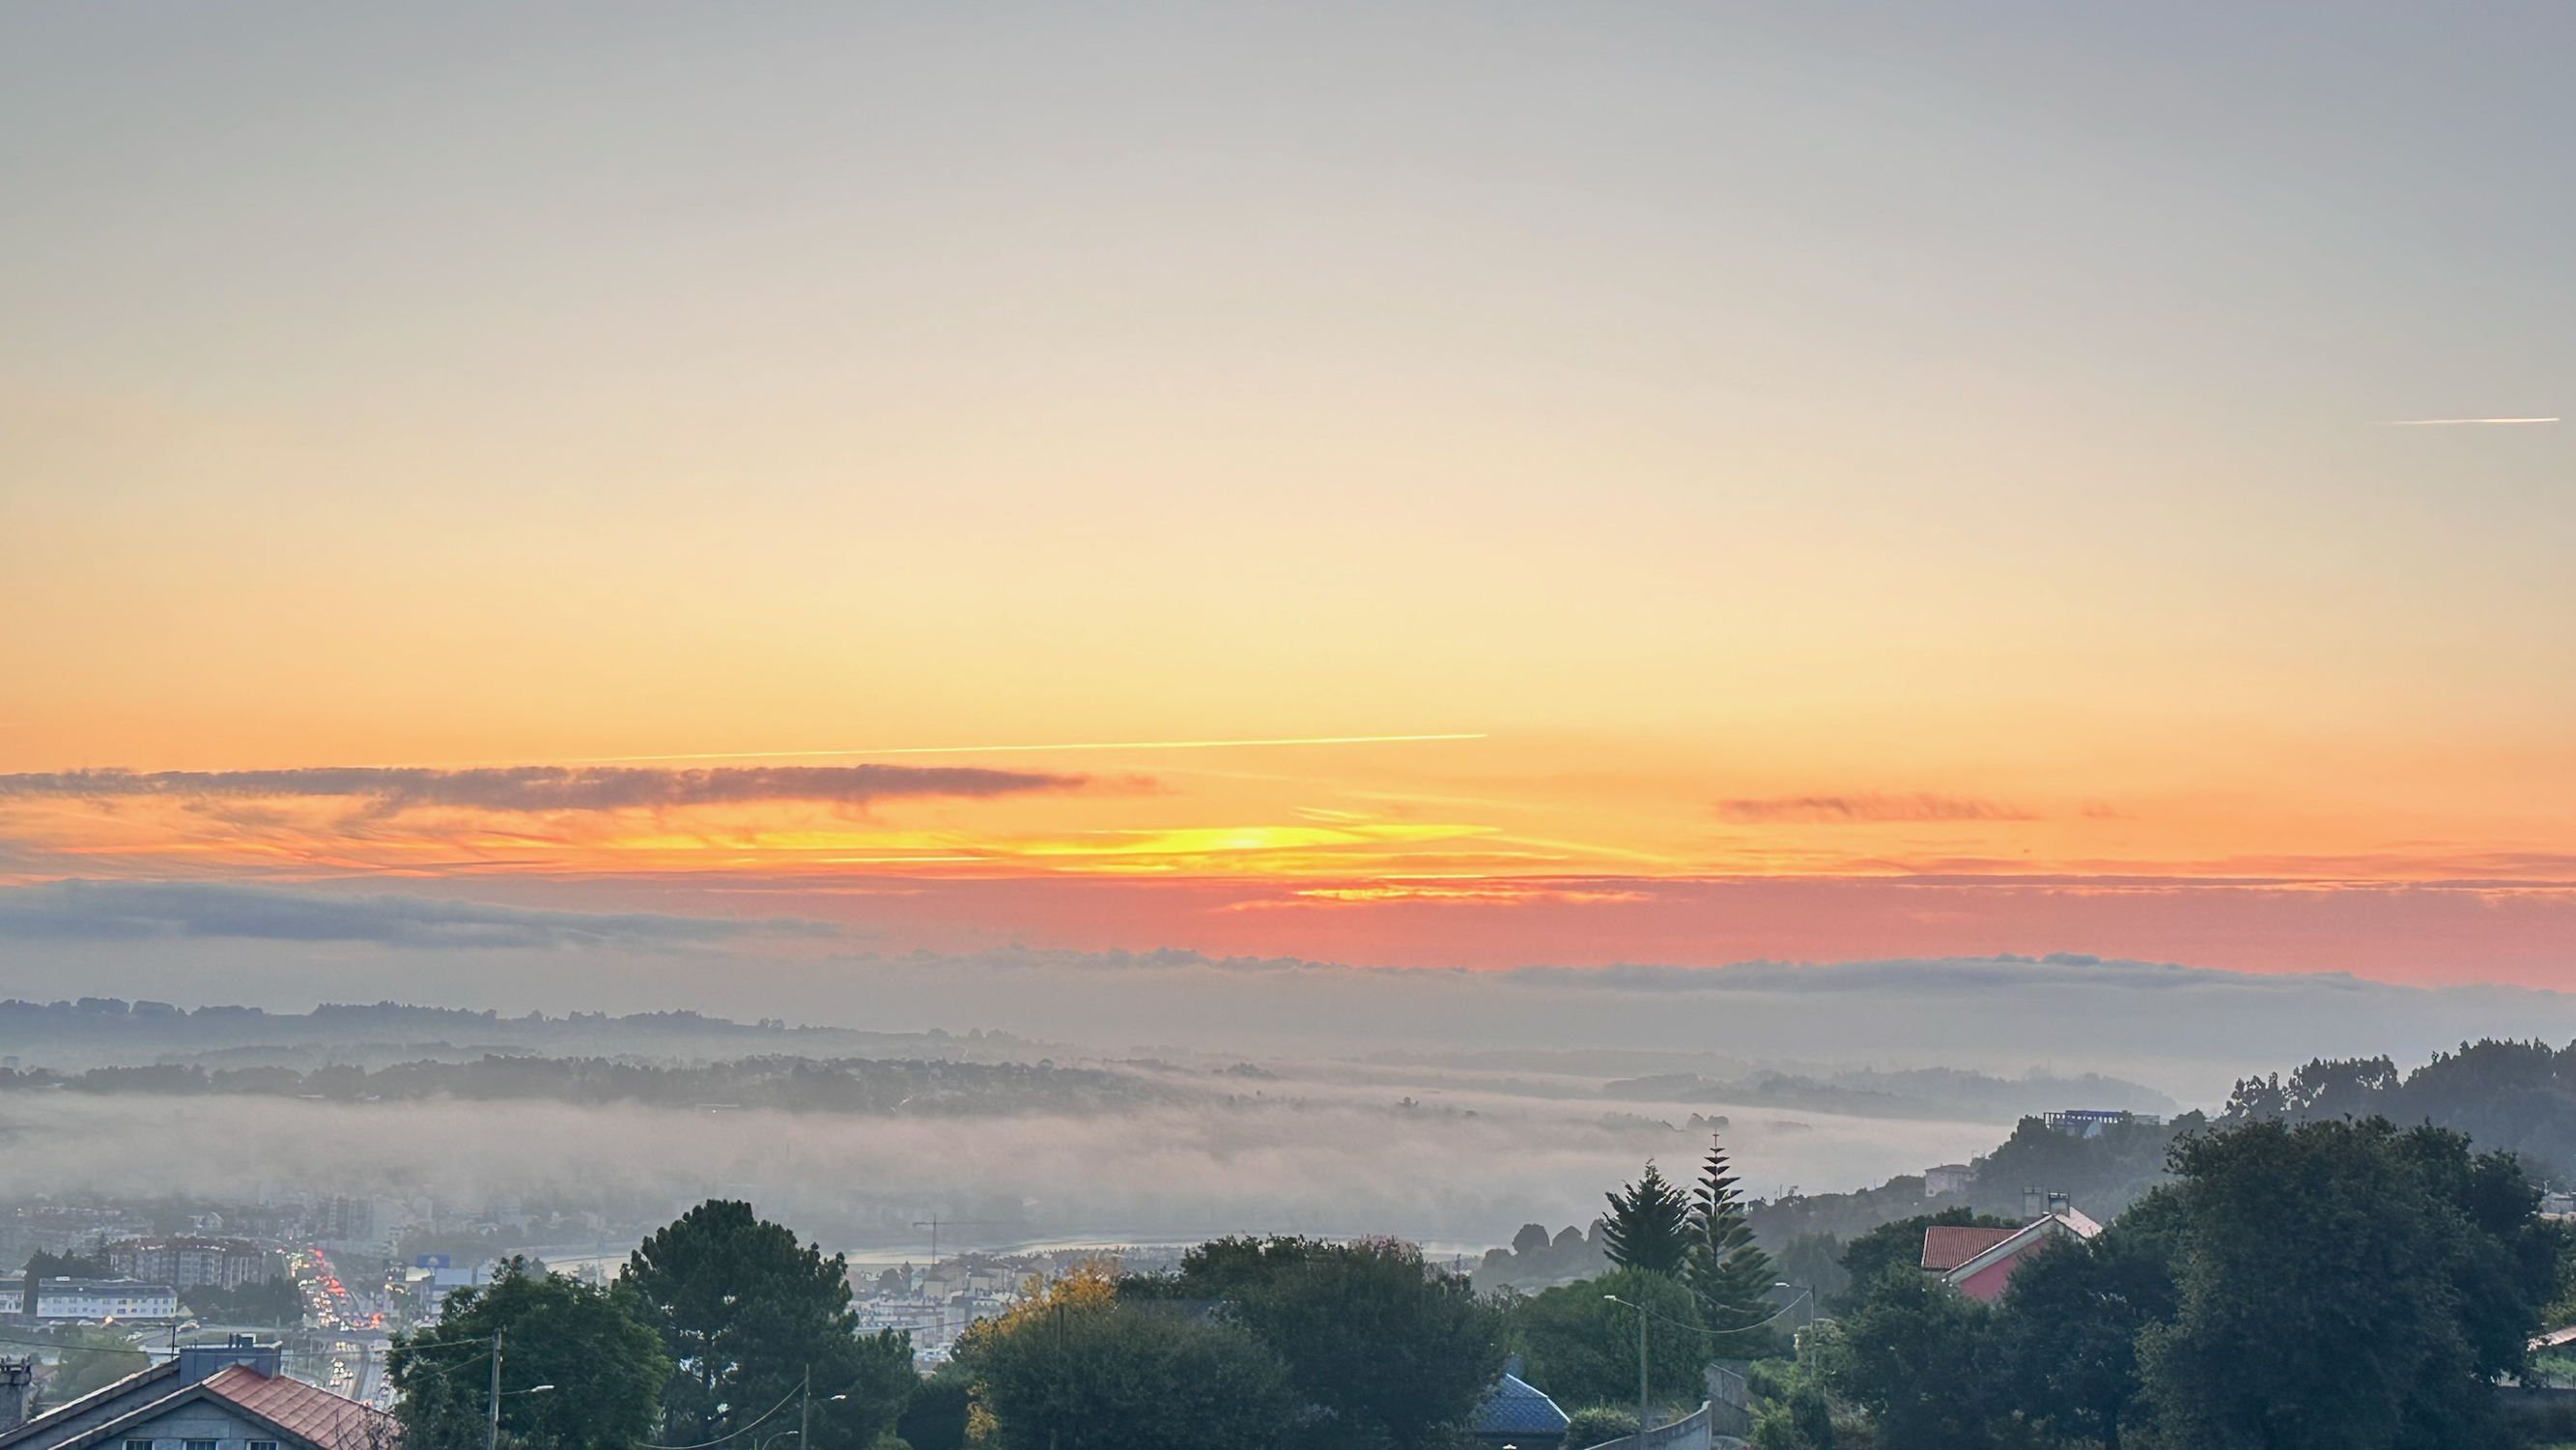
point(1058, 1317)
point(805, 1412)
point(492, 1440)
point(1641, 1377)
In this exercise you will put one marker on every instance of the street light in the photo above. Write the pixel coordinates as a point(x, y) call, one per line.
point(1641, 1366)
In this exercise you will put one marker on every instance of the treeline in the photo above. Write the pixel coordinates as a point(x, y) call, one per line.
point(796, 1084)
point(112, 1027)
point(2515, 1095)
point(2321, 1284)
point(1914, 1093)
point(724, 1329)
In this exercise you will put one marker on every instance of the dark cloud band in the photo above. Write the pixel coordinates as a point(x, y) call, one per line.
point(541, 787)
point(142, 910)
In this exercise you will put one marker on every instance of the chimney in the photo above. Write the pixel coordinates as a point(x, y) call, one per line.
point(2059, 1203)
point(197, 1361)
point(2034, 1205)
point(17, 1381)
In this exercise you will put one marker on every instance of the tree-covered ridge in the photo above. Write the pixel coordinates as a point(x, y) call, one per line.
point(2519, 1096)
point(2309, 1286)
point(794, 1084)
point(2512, 1097)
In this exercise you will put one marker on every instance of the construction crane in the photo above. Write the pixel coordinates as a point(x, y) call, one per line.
point(934, 1222)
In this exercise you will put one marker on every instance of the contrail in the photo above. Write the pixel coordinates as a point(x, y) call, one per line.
point(2458, 422)
point(1076, 745)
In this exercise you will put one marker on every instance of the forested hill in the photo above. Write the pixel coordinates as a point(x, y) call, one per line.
point(796, 1084)
point(102, 1031)
point(2514, 1095)
point(2518, 1097)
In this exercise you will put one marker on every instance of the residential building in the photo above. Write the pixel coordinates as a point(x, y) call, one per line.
point(190, 1263)
point(1948, 1178)
point(96, 1299)
point(1980, 1261)
point(2089, 1122)
point(1514, 1413)
point(227, 1397)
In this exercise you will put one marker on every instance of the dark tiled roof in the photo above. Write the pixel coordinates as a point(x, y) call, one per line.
point(301, 1414)
point(1947, 1246)
point(1515, 1408)
point(308, 1412)
point(98, 1406)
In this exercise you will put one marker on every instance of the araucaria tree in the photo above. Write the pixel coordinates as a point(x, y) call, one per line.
point(1728, 1275)
point(1649, 1225)
point(748, 1314)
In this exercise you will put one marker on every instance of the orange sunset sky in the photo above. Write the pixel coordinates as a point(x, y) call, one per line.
point(1448, 486)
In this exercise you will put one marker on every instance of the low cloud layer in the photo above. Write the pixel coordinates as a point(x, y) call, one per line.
point(118, 911)
point(539, 788)
point(2186, 1030)
point(1867, 807)
point(1461, 1175)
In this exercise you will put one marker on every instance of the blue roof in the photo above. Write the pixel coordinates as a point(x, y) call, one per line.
point(1515, 1408)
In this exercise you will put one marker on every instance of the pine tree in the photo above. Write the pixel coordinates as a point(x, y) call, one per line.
point(1728, 1274)
point(1649, 1225)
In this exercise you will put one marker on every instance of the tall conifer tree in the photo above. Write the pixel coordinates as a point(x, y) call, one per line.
point(1649, 1226)
point(1728, 1274)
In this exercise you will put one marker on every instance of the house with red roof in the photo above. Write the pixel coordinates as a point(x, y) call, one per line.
point(1978, 1262)
point(209, 1397)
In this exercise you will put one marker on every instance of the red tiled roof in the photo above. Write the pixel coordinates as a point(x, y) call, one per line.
point(305, 1411)
point(1946, 1246)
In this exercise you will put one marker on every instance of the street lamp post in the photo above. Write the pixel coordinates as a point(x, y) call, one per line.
point(1641, 1366)
point(492, 1437)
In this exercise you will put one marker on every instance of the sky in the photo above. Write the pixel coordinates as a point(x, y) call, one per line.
point(1403, 486)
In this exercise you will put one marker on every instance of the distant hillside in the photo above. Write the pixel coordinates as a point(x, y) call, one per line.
point(97, 1031)
point(1937, 1092)
point(795, 1084)
point(2518, 1097)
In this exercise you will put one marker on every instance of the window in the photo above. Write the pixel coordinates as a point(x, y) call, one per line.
point(199, 1444)
point(263, 1445)
point(138, 1445)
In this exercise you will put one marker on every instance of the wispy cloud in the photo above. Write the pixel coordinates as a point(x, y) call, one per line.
point(2460, 422)
point(134, 910)
point(538, 788)
point(1059, 746)
point(1868, 806)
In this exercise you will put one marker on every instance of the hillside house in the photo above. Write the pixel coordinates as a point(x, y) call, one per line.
point(227, 1397)
point(1978, 1262)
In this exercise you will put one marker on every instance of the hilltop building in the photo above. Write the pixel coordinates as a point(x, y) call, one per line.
point(2089, 1122)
